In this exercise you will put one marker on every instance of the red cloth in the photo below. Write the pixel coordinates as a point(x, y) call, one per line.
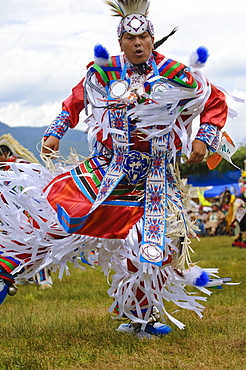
point(74, 104)
point(215, 110)
point(108, 221)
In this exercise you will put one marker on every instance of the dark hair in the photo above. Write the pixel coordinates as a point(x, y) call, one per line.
point(5, 149)
point(160, 42)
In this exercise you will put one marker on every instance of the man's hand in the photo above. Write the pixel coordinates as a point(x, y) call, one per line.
point(51, 143)
point(198, 152)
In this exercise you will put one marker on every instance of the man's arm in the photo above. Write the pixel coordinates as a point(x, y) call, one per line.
point(212, 120)
point(68, 118)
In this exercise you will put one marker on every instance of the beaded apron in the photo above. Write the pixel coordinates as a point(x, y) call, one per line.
point(139, 167)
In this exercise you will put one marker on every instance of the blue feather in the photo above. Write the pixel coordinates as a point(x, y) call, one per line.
point(101, 52)
point(160, 329)
point(202, 53)
point(202, 280)
point(83, 260)
point(3, 293)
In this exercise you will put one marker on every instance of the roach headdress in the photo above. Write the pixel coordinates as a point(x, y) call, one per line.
point(134, 16)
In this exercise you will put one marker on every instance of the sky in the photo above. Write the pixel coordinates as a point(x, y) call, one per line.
point(45, 46)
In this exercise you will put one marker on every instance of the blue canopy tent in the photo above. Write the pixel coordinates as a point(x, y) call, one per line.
point(218, 189)
point(219, 182)
point(214, 178)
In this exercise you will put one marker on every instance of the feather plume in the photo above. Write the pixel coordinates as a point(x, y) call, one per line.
point(101, 55)
point(115, 8)
point(122, 8)
point(199, 57)
point(196, 276)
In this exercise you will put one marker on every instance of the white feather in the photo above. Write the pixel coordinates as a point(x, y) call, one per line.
point(194, 61)
point(134, 6)
point(101, 61)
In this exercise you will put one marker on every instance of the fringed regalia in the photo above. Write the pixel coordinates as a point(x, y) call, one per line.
point(126, 202)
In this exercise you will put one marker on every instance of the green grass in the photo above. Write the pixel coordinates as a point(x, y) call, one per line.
point(69, 327)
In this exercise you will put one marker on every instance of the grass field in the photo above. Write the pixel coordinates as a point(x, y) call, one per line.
point(69, 327)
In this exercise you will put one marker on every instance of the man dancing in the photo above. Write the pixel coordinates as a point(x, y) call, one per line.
point(126, 201)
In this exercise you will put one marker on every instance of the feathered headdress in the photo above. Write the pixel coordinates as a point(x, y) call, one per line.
point(122, 8)
point(134, 16)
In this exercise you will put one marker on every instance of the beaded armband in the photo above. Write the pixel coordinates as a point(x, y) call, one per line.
point(209, 134)
point(59, 126)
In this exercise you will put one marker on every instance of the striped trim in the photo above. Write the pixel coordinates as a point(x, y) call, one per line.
point(8, 264)
point(124, 202)
point(7, 277)
point(166, 66)
point(88, 185)
point(110, 72)
point(104, 76)
point(82, 184)
point(115, 75)
point(170, 69)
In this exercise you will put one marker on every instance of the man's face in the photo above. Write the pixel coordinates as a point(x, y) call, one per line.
point(137, 48)
point(3, 157)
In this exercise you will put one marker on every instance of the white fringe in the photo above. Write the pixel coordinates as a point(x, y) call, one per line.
point(22, 197)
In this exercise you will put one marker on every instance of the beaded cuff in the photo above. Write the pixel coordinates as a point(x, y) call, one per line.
point(209, 134)
point(215, 143)
point(59, 126)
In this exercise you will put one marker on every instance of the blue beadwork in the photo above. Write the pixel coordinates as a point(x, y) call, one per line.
point(209, 134)
point(59, 126)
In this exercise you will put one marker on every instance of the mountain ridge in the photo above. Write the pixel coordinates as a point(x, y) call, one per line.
point(30, 137)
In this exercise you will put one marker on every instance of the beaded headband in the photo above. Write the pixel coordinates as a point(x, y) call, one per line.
point(134, 16)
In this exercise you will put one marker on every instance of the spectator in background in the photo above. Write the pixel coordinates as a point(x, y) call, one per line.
point(200, 220)
point(12, 151)
point(239, 213)
point(214, 218)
